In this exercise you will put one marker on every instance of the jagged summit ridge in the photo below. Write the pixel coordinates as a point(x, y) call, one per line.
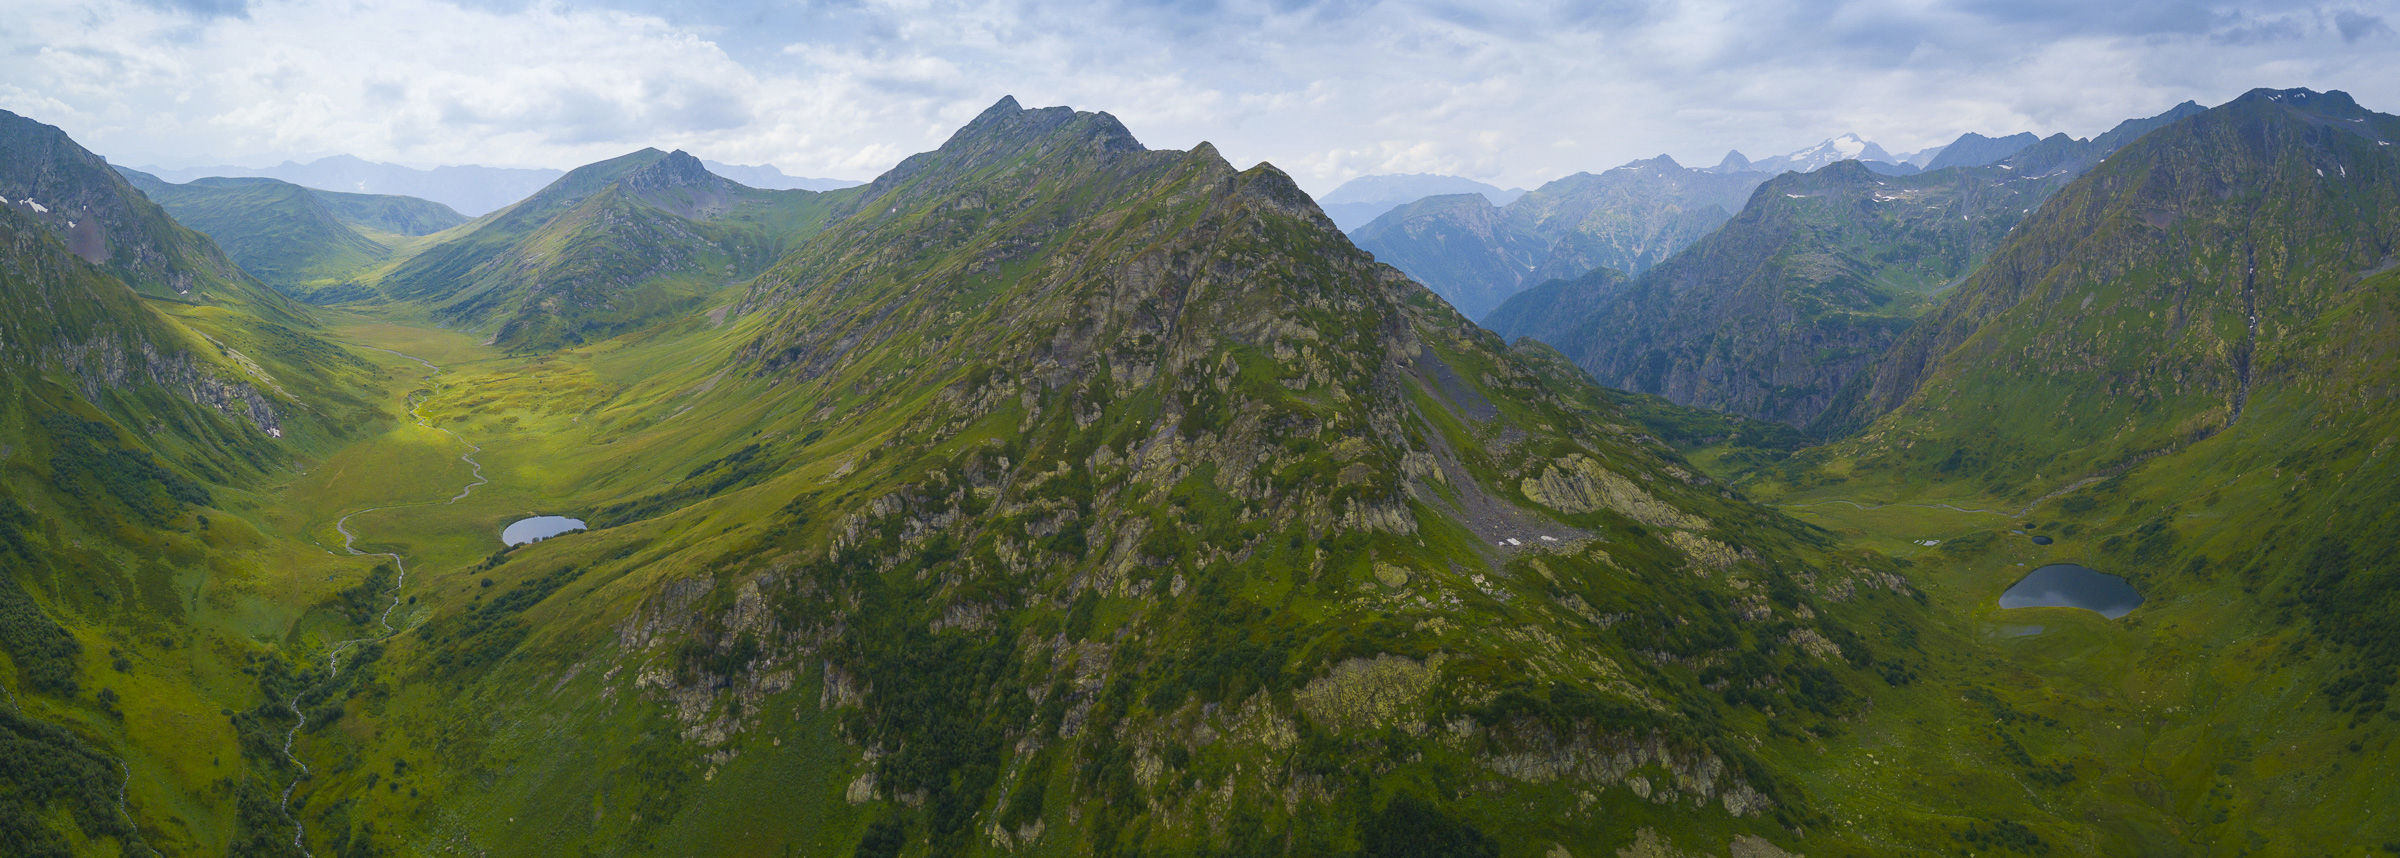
point(1006, 119)
point(677, 169)
point(1006, 130)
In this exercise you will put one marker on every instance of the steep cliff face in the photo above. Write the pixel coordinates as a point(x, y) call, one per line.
point(1477, 255)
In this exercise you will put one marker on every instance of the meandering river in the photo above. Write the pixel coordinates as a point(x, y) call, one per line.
point(333, 655)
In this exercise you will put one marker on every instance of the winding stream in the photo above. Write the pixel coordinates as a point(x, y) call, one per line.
point(333, 653)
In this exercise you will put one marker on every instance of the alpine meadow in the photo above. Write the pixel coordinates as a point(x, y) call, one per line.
point(1052, 493)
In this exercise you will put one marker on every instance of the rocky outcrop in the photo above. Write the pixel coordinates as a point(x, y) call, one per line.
point(1579, 484)
point(104, 364)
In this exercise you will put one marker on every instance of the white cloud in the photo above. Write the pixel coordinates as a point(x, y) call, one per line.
point(1509, 92)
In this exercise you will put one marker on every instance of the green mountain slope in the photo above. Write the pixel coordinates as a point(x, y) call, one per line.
point(136, 436)
point(2180, 369)
point(1460, 241)
point(2153, 286)
point(279, 232)
point(1067, 497)
point(392, 214)
point(1629, 218)
point(1774, 314)
point(105, 221)
point(609, 247)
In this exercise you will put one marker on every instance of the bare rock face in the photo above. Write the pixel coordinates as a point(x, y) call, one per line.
point(1579, 484)
point(1365, 693)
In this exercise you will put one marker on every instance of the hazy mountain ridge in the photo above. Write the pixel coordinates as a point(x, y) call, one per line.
point(471, 189)
point(1476, 255)
point(1773, 315)
point(1360, 201)
point(1770, 316)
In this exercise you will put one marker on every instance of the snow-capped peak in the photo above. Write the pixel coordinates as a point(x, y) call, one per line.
point(1847, 147)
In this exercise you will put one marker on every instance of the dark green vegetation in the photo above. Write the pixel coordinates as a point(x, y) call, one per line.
point(1052, 495)
point(280, 233)
point(1769, 316)
point(2180, 368)
point(1772, 316)
point(1132, 507)
point(1476, 255)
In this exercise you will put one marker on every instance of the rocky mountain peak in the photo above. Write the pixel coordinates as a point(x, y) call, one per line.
point(677, 169)
point(1005, 124)
point(1662, 162)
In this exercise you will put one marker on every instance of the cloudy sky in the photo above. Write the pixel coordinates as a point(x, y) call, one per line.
point(1512, 93)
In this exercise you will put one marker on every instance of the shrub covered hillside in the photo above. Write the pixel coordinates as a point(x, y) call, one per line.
point(1069, 497)
point(2181, 368)
point(136, 430)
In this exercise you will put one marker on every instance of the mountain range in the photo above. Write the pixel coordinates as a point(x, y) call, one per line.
point(291, 237)
point(1627, 218)
point(470, 189)
point(1361, 200)
point(1772, 315)
point(1055, 495)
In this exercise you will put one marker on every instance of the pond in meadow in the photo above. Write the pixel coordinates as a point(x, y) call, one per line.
point(538, 528)
point(2068, 585)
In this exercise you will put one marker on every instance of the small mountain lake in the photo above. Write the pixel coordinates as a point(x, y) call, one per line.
point(538, 528)
point(2067, 585)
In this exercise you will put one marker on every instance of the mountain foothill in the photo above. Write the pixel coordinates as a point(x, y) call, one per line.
point(1051, 494)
